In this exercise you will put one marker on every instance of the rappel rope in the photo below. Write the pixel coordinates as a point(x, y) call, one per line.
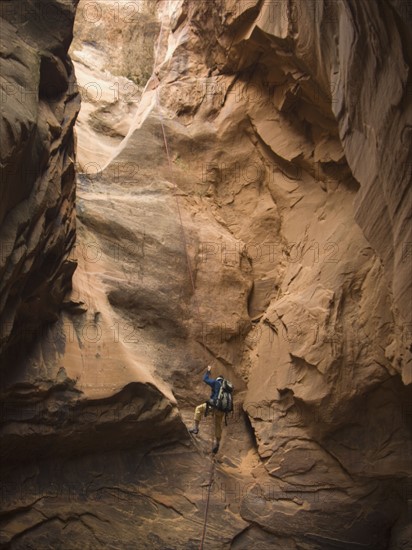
point(189, 268)
point(212, 470)
point(211, 479)
point(169, 160)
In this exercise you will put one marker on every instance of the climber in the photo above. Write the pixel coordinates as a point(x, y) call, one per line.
point(204, 407)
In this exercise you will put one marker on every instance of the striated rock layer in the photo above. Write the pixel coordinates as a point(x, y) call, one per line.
point(113, 55)
point(270, 240)
point(40, 103)
point(60, 392)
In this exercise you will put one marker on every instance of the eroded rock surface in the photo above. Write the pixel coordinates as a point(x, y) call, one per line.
point(40, 103)
point(113, 55)
point(270, 239)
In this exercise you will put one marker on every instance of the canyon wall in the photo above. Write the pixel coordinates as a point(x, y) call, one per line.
point(255, 217)
point(40, 103)
point(113, 54)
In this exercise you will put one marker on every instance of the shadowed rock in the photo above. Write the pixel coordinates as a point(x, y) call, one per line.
point(272, 242)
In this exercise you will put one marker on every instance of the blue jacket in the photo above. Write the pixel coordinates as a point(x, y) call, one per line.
point(214, 384)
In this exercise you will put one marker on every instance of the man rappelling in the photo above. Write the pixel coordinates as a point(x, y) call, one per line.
point(220, 402)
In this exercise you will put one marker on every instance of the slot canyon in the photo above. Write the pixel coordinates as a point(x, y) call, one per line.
point(188, 183)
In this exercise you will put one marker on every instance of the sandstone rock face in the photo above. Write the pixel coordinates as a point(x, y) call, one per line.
point(40, 103)
point(113, 54)
point(58, 386)
point(271, 240)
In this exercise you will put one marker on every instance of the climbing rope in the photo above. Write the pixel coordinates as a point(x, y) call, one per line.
point(189, 267)
point(212, 470)
point(170, 163)
point(211, 479)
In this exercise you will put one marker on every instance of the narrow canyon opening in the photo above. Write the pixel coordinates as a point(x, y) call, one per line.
point(113, 54)
point(234, 192)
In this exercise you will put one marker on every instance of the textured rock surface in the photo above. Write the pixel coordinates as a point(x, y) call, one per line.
point(286, 201)
point(37, 217)
point(59, 386)
point(113, 54)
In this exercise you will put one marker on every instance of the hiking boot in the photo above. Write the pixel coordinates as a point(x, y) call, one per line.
point(195, 429)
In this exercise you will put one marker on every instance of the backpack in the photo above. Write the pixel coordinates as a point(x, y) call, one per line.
point(224, 400)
